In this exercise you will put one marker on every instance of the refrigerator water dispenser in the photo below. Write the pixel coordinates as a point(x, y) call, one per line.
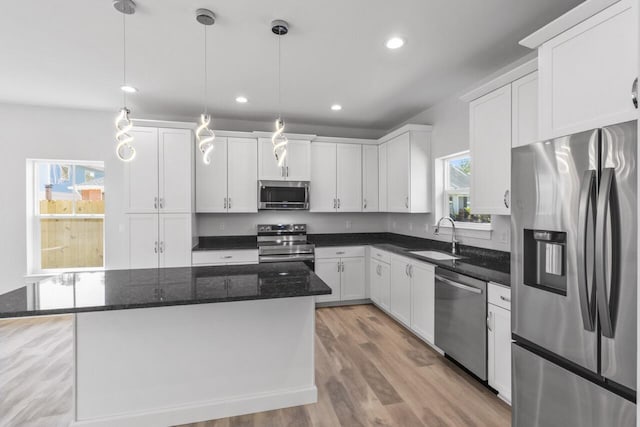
point(545, 260)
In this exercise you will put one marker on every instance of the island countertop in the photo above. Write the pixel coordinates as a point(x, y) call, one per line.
point(141, 288)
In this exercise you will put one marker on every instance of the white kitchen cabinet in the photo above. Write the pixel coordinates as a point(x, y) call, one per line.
point(159, 240)
point(383, 206)
point(174, 240)
point(225, 257)
point(370, 178)
point(380, 283)
point(587, 72)
point(524, 110)
point(336, 177)
point(230, 182)
point(159, 178)
point(322, 194)
point(423, 299)
point(490, 141)
point(352, 279)
point(343, 269)
point(329, 271)
point(499, 340)
point(211, 180)
point(407, 170)
point(296, 165)
point(400, 290)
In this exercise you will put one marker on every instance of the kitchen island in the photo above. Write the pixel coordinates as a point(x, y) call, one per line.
point(172, 346)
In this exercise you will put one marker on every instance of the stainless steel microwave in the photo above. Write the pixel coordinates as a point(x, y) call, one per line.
point(283, 195)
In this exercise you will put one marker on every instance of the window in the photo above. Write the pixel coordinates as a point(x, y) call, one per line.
point(457, 181)
point(68, 229)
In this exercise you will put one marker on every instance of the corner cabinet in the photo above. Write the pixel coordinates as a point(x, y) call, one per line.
point(587, 73)
point(229, 183)
point(524, 110)
point(490, 142)
point(336, 177)
point(405, 164)
point(297, 164)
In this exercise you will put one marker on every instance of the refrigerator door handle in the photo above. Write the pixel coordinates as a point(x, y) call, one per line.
point(607, 207)
point(587, 209)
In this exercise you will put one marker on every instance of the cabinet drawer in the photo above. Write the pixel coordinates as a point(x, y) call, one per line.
point(224, 257)
point(380, 255)
point(499, 295)
point(340, 252)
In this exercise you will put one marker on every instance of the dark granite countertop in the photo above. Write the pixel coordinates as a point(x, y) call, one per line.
point(484, 264)
point(212, 243)
point(127, 289)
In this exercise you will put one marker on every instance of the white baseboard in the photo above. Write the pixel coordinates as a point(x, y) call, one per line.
point(211, 410)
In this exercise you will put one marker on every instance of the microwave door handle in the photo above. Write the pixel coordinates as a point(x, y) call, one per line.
point(586, 211)
point(607, 208)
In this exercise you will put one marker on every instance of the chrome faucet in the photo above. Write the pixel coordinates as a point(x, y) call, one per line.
point(453, 233)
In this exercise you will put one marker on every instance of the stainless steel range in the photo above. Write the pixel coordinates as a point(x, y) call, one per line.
point(285, 243)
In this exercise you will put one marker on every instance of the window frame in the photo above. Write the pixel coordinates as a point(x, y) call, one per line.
point(447, 191)
point(34, 246)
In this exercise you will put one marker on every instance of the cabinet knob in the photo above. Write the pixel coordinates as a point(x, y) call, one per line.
point(161, 203)
point(406, 202)
point(364, 206)
point(634, 93)
point(155, 203)
point(155, 247)
point(506, 198)
point(229, 203)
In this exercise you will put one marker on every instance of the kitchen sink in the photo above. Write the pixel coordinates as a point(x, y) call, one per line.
point(438, 256)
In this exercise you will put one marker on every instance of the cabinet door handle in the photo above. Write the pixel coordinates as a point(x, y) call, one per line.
point(406, 270)
point(161, 247)
point(340, 253)
point(225, 203)
point(410, 270)
point(489, 322)
point(634, 93)
point(406, 202)
point(505, 299)
point(338, 203)
point(506, 198)
point(155, 247)
point(229, 203)
point(338, 266)
point(364, 206)
point(161, 203)
point(335, 203)
point(155, 203)
point(227, 256)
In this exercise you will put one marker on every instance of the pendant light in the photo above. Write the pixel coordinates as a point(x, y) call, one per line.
point(124, 148)
point(204, 134)
point(279, 139)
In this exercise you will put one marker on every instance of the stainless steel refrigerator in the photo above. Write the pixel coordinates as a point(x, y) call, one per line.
point(574, 279)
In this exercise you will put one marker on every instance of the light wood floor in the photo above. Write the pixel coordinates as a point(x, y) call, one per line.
point(371, 372)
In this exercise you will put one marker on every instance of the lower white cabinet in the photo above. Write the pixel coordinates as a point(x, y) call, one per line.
point(159, 240)
point(404, 288)
point(225, 257)
point(423, 300)
point(343, 269)
point(499, 340)
point(400, 296)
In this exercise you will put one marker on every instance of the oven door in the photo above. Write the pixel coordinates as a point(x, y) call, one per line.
point(283, 195)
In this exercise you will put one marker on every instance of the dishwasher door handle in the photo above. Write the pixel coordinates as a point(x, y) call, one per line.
point(458, 285)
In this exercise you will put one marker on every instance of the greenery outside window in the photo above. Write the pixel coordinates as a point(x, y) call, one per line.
point(457, 198)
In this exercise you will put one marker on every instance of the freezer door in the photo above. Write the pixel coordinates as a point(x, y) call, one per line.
point(546, 395)
point(616, 255)
point(549, 181)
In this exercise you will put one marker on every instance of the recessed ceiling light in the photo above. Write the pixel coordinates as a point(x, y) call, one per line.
point(242, 100)
point(395, 43)
point(128, 89)
point(336, 107)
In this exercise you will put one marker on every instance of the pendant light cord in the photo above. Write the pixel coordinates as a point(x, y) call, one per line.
point(279, 76)
point(124, 59)
point(204, 98)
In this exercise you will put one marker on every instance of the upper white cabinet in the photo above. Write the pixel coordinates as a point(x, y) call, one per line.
point(382, 177)
point(336, 177)
point(407, 172)
point(159, 178)
point(370, 178)
point(490, 142)
point(229, 183)
point(296, 166)
point(587, 73)
point(524, 110)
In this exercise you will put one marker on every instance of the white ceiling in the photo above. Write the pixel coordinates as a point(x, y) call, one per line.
point(68, 53)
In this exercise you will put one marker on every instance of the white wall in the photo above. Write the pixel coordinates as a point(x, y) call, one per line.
point(450, 121)
point(51, 133)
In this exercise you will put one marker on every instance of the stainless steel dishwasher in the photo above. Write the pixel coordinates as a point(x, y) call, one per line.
point(460, 325)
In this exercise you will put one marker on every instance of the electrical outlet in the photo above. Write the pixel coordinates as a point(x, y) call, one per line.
point(222, 226)
point(348, 225)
